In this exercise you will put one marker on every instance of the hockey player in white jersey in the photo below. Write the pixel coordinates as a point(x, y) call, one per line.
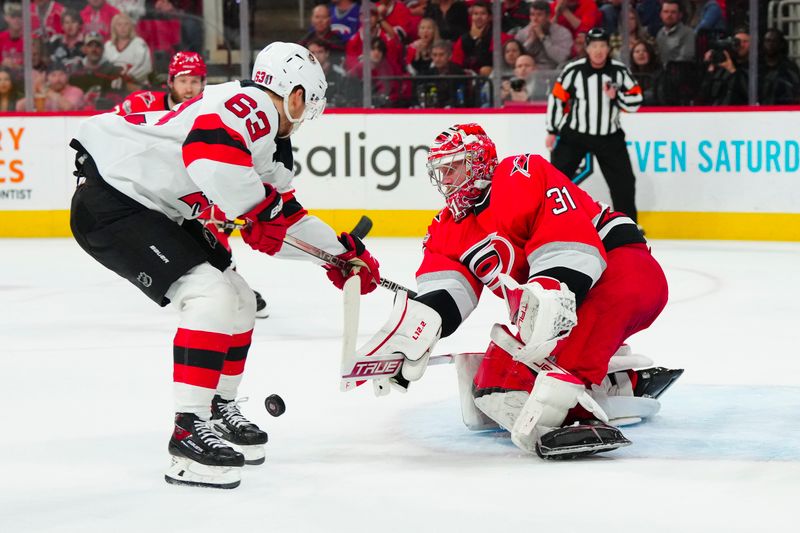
point(143, 179)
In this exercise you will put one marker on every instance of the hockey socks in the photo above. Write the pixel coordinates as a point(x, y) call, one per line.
point(198, 359)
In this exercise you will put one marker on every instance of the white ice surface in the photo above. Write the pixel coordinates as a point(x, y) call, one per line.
point(86, 411)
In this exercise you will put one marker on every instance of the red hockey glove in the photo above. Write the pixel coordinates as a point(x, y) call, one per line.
point(358, 256)
point(266, 225)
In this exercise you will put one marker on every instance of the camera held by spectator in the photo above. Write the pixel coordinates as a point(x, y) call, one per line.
point(719, 47)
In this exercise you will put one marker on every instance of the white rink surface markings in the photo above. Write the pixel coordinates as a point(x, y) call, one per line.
point(88, 410)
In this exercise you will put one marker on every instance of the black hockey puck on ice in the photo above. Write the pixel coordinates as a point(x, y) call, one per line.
point(275, 405)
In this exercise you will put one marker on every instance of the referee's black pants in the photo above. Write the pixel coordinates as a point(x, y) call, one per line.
point(612, 156)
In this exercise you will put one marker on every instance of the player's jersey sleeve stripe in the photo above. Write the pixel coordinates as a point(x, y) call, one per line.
point(444, 304)
point(455, 284)
point(211, 139)
point(578, 257)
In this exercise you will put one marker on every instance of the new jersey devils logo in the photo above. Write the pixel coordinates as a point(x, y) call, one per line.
point(490, 257)
point(198, 201)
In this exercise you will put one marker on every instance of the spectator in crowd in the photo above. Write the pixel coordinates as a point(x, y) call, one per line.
point(646, 69)
point(321, 30)
point(192, 25)
point(67, 49)
point(578, 46)
point(725, 80)
point(707, 16)
point(8, 91)
point(46, 18)
point(577, 15)
point(11, 48)
point(451, 17)
point(675, 40)
point(418, 53)
point(515, 15)
point(334, 74)
point(129, 51)
point(636, 34)
point(610, 10)
point(443, 92)
point(100, 80)
point(345, 18)
point(548, 42)
point(398, 15)
point(473, 50)
point(378, 28)
point(135, 9)
point(385, 93)
point(779, 77)
point(523, 87)
point(97, 17)
point(59, 95)
point(417, 8)
point(511, 51)
point(649, 12)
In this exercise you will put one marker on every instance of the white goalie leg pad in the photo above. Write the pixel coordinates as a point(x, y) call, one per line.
point(502, 408)
point(625, 359)
point(553, 395)
point(466, 367)
point(412, 330)
point(183, 471)
point(626, 410)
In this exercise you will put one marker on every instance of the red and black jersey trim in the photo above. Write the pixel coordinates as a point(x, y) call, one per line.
point(626, 232)
point(578, 282)
point(211, 139)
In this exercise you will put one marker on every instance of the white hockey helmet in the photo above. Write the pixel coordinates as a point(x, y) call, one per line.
point(280, 67)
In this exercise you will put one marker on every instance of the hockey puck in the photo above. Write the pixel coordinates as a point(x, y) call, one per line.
point(275, 405)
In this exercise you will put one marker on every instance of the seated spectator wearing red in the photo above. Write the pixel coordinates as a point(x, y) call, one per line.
point(473, 50)
point(97, 17)
point(129, 51)
point(322, 30)
point(186, 79)
point(418, 53)
point(49, 12)
point(398, 15)
point(67, 48)
point(187, 15)
point(11, 39)
point(379, 27)
point(451, 16)
point(9, 95)
point(385, 93)
point(578, 16)
point(59, 95)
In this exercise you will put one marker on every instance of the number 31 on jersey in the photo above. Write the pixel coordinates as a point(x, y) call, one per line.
point(562, 199)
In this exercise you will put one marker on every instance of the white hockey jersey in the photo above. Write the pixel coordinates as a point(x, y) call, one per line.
point(216, 148)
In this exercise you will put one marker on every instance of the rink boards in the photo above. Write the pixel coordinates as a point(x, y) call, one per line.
point(712, 174)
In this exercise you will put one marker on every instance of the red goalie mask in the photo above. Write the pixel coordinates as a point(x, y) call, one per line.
point(460, 164)
point(187, 63)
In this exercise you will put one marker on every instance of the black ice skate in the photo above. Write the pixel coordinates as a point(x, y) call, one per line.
point(200, 458)
point(579, 440)
point(231, 426)
point(653, 382)
point(262, 309)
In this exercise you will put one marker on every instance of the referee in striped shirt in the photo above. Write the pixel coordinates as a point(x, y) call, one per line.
point(583, 116)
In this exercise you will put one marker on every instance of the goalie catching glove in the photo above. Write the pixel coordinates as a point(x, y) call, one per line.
point(266, 226)
point(543, 311)
point(360, 262)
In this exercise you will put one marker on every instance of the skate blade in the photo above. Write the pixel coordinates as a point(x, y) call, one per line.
point(575, 452)
point(183, 471)
point(254, 454)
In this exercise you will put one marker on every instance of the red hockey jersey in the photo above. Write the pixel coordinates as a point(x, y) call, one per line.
point(143, 102)
point(532, 221)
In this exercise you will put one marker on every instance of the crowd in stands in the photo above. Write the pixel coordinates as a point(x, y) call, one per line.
point(90, 54)
point(439, 53)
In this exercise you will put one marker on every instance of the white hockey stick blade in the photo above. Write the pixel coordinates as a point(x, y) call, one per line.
point(352, 301)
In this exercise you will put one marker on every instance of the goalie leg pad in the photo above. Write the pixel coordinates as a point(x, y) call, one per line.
point(467, 365)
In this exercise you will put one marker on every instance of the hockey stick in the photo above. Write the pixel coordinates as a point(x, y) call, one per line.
point(329, 258)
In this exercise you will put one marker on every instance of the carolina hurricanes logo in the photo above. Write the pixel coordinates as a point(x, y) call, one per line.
point(147, 98)
point(197, 201)
point(521, 165)
point(490, 257)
